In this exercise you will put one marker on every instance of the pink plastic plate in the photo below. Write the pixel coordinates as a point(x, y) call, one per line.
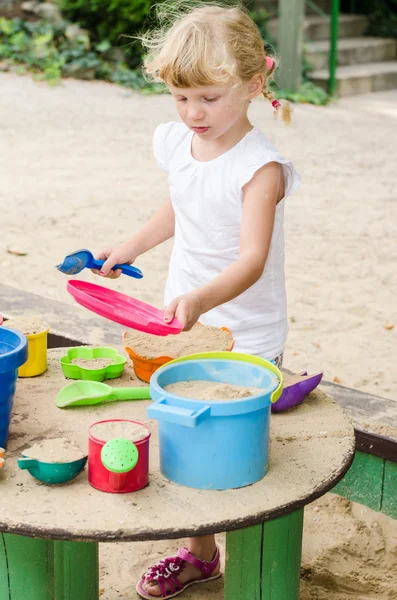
point(121, 308)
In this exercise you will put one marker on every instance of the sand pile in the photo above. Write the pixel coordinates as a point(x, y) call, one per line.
point(56, 450)
point(27, 325)
point(210, 390)
point(356, 561)
point(201, 338)
point(92, 363)
point(119, 429)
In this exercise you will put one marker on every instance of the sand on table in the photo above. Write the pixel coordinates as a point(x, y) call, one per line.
point(201, 338)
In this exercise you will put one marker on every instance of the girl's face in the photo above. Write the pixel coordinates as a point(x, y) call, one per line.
point(211, 111)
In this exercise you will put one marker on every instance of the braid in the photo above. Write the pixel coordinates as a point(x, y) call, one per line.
point(283, 107)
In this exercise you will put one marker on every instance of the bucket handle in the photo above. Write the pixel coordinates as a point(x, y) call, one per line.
point(162, 411)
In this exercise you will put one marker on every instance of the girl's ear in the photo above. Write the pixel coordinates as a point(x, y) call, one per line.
point(255, 85)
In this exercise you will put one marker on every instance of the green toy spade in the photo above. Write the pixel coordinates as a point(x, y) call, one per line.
point(85, 393)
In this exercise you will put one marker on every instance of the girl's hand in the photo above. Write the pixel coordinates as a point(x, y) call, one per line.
point(186, 308)
point(115, 255)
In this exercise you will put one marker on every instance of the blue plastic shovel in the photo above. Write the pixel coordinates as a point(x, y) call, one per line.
point(83, 259)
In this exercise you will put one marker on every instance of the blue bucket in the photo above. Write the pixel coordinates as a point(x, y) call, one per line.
point(13, 353)
point(213, 444)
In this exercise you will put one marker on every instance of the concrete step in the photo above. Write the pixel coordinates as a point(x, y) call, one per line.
point(360, 79)
point(317, 28)
point(352, 51)
point(324, 5)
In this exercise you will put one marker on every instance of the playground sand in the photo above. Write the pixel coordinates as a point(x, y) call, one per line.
point(201, 338)
point(92, 363)
point(78, 170)
point(55, 450)
point(210, 390)
point(83, 151)
point(349, 553)
point(27, 325)
point(115, 429)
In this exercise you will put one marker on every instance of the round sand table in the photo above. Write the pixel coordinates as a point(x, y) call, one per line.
point(311, 449)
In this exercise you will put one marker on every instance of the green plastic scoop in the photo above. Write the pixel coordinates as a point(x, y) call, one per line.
point(85, 393)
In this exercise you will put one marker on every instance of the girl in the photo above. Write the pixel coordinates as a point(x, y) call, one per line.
point(228, 186)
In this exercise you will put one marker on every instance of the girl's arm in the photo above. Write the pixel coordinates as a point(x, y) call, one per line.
point(158, 229)
point(261, 195)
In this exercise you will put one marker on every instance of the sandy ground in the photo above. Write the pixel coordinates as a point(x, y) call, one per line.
point(77, 170)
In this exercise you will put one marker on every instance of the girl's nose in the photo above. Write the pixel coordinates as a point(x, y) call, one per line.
point(195, 113)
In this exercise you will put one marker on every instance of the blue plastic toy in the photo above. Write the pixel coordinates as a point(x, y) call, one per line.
point(83, 259)
point(13, 354)
point(213, 444)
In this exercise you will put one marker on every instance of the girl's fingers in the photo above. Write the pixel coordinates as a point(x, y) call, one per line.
point(182, 315)
point(169, 311)
point(106, 269)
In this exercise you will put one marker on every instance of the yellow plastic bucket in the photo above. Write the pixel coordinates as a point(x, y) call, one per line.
point(37, 355)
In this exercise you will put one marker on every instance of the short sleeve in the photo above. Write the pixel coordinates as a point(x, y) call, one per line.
point(160, 138)
point(159, 149)
point(258, 157)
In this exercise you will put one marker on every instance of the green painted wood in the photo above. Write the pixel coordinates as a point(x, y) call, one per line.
point(30, 567)
point(290, 43)
point(243, 564)
point(263, 562)
point(363, 482)
point(281, 557)
point(4, 589)
point(76, 571)
point(46, 570)
point(389, 500)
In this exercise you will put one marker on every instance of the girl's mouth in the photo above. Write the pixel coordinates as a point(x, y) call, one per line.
point(200, 129)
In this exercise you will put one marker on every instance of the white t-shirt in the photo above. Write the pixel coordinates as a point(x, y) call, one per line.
point(207, 198)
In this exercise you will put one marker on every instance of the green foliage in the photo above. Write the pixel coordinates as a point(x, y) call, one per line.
point(50, 52)
point(308, 94)
point(109, 19)
point(47, 51)
point(382, 15)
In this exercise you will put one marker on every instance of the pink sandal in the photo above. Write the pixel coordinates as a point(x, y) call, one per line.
point(166, 573)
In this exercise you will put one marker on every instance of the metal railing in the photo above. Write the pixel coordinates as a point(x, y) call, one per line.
point(333, 18)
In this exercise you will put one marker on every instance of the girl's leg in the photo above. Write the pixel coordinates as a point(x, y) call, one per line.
point(204, 548)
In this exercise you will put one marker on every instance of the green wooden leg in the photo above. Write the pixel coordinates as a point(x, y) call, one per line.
point(243, 564)
point(263, 561)
point(36, 569)
point(281, 557)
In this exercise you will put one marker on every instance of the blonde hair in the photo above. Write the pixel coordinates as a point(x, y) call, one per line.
point(202, 44)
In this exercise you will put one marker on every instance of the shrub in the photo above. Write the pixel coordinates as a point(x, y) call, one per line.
point(109, 20)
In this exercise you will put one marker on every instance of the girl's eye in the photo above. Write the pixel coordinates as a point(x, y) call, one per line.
point(213, 99)
point(182, 99)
